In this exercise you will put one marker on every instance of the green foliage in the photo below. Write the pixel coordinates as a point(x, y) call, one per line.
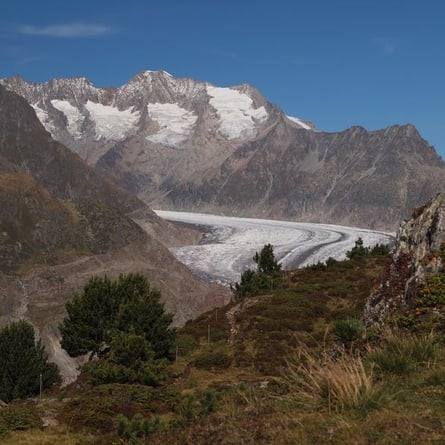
point(89, 315)
point(129, 349)
point(128, 304)
point(22, 361)
point(434, 292)
point(347, 330)
point(191, 407)
point(360, 251)
point(17, 418)
point(320, 265)
point(186, 409)
point(266, 260)
point(125, 318)
point(212, 360)
point(266, 277)
point(209, 401)
point(138, 427)
point(185, 343)
point(253, 282)
point(403, 353)
point(102, 372)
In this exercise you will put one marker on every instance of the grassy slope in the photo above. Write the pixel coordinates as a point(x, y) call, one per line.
point(281, 379)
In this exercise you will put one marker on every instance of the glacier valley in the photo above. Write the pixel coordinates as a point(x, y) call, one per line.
point(229, 243)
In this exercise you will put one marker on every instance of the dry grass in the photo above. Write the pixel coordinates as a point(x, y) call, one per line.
point(335, 383)
point(55, 435)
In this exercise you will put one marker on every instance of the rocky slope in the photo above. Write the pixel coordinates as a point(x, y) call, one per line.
point(61, 223)
point(413, 286)
point(187, 145)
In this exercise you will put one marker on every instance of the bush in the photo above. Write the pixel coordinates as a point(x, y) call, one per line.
point(138, 427)
point(102, 372)
point(186, 344)
point(17, 418)
point(212, 360)
point(347, 330)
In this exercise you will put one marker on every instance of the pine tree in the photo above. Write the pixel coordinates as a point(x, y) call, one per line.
point(23, 362)
point(127, 305)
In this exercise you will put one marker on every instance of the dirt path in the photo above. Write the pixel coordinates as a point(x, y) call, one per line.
point(233, 312)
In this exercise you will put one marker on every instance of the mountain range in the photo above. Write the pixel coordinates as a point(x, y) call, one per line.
point(61, 223)
point(188, 145)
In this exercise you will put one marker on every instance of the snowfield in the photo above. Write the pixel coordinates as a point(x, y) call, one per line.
point(112, 123)
point(236, 112)
point(175, 124)
point(74, 117)
point(230, 243)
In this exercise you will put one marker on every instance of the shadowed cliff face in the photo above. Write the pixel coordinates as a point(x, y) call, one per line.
point(181, 144)
point(61, 223)
point(419, 255)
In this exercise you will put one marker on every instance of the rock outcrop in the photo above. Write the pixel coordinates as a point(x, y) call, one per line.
point(419, 255)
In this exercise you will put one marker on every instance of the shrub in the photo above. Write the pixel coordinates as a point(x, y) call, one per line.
point(208, 401)
point(185, 343)
point(347, 330)
point(212, 360)
point(139, 426)
point(17, 418)
point(102, 372)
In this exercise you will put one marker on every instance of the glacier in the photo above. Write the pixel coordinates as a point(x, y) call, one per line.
point(229, 243)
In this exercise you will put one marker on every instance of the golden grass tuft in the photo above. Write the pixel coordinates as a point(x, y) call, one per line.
point(334, 382)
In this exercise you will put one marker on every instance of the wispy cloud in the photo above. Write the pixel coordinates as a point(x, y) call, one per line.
point(385, 45)
point(68, 30)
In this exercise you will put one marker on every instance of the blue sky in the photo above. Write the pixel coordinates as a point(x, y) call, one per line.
point(337, 63)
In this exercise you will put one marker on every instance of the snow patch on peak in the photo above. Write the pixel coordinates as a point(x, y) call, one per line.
point(73, 116)
point(300, 122)
point(149, 73)
point(112, 123)
point(175, 124)
point(44, 119)
point(238, 117)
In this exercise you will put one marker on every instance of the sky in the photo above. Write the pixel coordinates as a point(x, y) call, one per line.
point(336, 63)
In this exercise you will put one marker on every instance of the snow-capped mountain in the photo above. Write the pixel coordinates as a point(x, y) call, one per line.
point(153, 105)
point(183, 144)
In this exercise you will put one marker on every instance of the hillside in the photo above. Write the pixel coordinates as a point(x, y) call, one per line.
point(338, 352)
point(250, 373)
point(61, 223)
point(182, 144)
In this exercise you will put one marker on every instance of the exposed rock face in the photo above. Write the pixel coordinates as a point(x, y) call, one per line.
point(61, 223)
point(419, 254)
point(180, 144)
